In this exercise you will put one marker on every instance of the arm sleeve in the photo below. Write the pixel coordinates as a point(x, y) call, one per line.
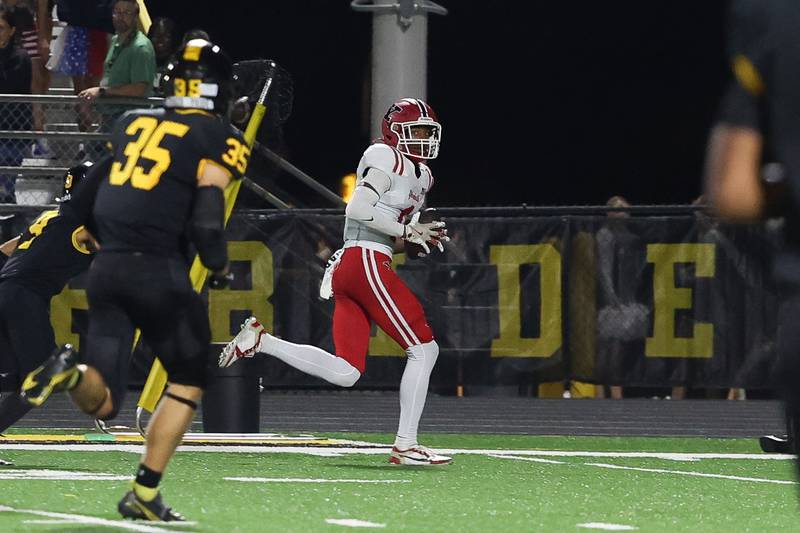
point(81, 203)
point(208, 227)
point(362, 205)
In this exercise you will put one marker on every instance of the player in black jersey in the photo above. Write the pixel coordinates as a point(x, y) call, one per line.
point(753, 168)
point(164, 189)
point(55, 248)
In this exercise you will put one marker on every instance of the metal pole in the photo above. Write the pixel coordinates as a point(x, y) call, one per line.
point(264, 194)
point(399, 52)
point(299, 174)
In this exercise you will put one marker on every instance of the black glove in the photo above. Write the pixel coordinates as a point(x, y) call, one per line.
point(220, 279)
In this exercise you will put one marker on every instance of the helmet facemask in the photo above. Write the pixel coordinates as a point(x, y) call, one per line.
point(422, 148)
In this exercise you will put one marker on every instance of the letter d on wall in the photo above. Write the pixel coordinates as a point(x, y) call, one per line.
point(507, 259)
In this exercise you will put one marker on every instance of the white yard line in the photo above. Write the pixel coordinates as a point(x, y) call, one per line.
point(353, 522)
point(642, 455)
point(61, 521)
point(607, 527)
point(653, 470)
point(59, 475)
point(531, 459)
point(312, 480)
point(381, 449)
point(48, 522)
point(88, 520)
point(695, 474)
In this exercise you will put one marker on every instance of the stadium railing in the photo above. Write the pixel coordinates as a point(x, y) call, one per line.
point(38, 176)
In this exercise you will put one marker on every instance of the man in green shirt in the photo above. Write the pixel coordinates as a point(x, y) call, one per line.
point(130, 65)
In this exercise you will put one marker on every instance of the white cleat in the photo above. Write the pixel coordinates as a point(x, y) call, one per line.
point(418, 455)
point(244, 344)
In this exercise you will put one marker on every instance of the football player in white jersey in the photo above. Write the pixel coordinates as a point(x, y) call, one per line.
point(393, 180)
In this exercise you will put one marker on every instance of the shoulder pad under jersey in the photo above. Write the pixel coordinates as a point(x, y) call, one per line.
point(122, 123)
point(124, 120)
point(427, 170)
point(384, 158)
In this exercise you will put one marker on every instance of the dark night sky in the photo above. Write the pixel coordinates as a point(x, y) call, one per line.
point(541, 102)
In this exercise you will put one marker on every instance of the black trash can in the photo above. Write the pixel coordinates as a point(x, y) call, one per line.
point(231, 403)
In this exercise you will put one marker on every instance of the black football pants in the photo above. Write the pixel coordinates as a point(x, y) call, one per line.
point(26, 335)
point(154, 294)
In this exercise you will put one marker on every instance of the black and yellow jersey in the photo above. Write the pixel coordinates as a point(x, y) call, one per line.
point(764, 55)
point(146, 200)
point(764, 96)
point(48, 254)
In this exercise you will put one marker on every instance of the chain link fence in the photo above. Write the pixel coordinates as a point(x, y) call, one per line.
point(33, 162)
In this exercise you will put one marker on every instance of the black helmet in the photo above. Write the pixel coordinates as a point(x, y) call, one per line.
point(71, 179)
point(199, 77)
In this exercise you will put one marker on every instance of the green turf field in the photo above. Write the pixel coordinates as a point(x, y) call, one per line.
point(497, 483)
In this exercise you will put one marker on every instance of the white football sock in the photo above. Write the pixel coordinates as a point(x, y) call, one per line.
point(311, 360)
point(414, 390)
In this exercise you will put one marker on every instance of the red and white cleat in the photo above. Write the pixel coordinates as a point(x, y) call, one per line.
point(244, 344)
point(418, 455)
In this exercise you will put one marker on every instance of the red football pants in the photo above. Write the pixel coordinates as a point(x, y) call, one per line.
point(366, 290)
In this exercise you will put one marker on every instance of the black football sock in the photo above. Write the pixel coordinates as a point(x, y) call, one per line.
point(146, 484)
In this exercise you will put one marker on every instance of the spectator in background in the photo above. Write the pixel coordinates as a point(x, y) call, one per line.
point(128, 71)
point(34, 31)
point(79, 50)
point(15, 78)
point(708, 231)
point(621, 320)
point(165, 43)
point(130, 65)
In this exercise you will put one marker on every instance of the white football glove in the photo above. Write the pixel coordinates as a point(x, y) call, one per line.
point(425, 233)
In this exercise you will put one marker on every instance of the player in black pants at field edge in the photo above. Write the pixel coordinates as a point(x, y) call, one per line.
point(54, 249)
point(753, 165)
point(164, 189)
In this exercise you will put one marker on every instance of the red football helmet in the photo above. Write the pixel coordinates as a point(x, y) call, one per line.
point(406, 115)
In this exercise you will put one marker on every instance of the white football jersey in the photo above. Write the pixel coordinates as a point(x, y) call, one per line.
point(406, 195)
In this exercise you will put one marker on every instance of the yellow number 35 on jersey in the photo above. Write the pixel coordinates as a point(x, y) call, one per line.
point(148, 135)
